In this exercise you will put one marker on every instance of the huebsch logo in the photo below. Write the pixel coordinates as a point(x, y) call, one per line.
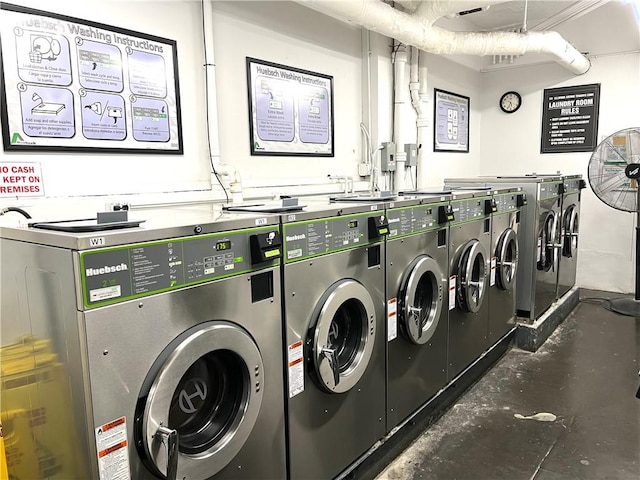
point(90, 272)
point(293, 238)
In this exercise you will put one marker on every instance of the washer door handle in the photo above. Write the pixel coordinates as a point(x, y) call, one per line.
point(418, 319)
point(169, 437)
point(329, 354)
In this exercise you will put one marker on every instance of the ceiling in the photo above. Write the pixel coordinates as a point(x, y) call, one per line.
point(540, 14)
point(594, 27)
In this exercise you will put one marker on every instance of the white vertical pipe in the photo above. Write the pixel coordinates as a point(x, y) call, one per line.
point(400, 99)
point(212, 104)
point(422, 122)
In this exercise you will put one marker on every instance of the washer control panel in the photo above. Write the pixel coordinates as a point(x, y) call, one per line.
point(411, 220)
point(112, 275)
point(507, 202)
point(312, 238)
point(468, 209)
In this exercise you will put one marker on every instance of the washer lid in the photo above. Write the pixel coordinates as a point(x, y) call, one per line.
point(343, 335)
point(203, 401)
point(421, 297)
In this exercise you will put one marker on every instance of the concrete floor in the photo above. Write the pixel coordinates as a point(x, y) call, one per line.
point(586, 375)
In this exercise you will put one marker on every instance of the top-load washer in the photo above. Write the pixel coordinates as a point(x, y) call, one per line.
point(169, 339)
point(333, 295)
point(539, 238)
point(469, 263)
point(417, 303)
point(573, 184)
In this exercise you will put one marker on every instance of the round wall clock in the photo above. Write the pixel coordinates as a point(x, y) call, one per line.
point(510, 102)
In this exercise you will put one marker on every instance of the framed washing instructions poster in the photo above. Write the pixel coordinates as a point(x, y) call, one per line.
point(290, 110)
point(450, 122)
point(570, 119)
point(76, 85)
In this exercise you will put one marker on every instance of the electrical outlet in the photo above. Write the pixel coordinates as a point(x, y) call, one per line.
point(411, 149)
point(364, 170)
point(117, 206)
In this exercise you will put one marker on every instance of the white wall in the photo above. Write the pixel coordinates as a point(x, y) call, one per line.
point(445, 74)
point(511, 145)
point(289, 34)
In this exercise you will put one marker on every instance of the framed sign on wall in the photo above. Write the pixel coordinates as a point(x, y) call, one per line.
point(450, 122)
point(75, 85)
point(290, 110)
point(570, 119)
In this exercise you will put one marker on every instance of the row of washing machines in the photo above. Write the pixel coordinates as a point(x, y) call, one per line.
point(208, 343)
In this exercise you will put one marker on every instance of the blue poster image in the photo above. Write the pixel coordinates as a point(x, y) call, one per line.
point(103, 116)
point(150, 120)
point(47, 111)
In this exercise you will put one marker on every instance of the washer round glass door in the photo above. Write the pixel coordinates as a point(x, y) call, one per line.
point(202, 401)
point(547, 257)
point(343, 335)
point(570, 227)
point(421, 299)
point(472, 276)
point(507, 259)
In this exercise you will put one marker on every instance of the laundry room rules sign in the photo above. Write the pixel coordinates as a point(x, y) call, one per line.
point(570, 119)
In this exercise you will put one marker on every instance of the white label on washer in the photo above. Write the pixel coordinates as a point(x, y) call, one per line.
point(392, 319)
point(261, 221)
point(97, 242)
point(296, 369)
point(452, 292)
point(104, 293)
point(113, 454)
point(492, 280)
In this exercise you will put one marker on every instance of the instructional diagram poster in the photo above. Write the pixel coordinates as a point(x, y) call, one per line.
point(290, 110)
point(450, 122)
point(71, 84)
point(570, 119)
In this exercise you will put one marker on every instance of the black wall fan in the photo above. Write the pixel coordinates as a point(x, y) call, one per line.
point(614, 172)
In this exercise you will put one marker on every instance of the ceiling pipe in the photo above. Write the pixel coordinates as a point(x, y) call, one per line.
point(418, 30)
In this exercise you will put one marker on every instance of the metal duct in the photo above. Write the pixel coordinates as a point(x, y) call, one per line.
point(418, 30)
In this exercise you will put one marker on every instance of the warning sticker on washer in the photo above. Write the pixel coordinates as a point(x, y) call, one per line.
point(452, 292)
point(392, 319)
point(492, 279)
point(113, 454)
point(296, 369)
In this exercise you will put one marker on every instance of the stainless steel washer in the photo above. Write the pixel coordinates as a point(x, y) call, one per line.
point(573, 184)
point(333, 277)
point(469, 264)
point(417, 301)
point(540, 245)
point(504, 261)
point(170, 337)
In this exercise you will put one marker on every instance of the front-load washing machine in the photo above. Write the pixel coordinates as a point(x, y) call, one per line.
point(573, 184)
point(417, 301)
point(333, 295)
point(469, 263)
point(539, 239)
point(163, 340)
point(505, 222)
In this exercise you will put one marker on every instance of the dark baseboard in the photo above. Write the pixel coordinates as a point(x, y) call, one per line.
point(531, 336)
